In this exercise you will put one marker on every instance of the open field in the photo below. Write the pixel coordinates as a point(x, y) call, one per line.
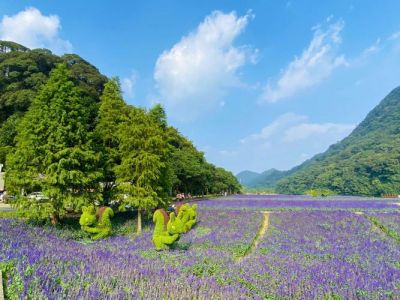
point(330, 248)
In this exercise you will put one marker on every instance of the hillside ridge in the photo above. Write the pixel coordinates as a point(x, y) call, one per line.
point(367, 162)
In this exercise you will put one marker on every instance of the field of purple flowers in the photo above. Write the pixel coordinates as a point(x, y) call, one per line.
point(42, 265)
point(308, 252)
point(323, 255)
point(294, 202)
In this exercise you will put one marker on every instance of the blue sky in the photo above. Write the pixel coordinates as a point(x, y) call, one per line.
point(254, 84)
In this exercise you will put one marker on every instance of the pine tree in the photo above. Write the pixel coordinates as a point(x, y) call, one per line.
point(55, 152)
point(112, 113)
point(144, 153)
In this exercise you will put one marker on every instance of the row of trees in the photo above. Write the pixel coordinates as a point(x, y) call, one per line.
point(78, 151)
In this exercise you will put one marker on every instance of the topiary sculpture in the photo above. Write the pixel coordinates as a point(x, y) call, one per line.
point(167, 229)
point(96, 223)
point(188, 215)
point(175, 225)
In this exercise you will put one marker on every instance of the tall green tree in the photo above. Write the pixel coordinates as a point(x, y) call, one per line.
point(8, 132)
point(144, 161)
point(112, 114)
point(22, 74)
point(158, 117)
point(55, 152)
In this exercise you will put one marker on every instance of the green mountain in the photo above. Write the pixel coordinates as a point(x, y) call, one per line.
point(246, 178)
point(266, 179)
point(367, 162)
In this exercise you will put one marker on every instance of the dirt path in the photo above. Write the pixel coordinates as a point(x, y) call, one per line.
point(259, 235)
point(262, 231)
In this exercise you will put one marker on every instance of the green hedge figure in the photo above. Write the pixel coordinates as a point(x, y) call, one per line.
point(188, 215)
point(166, 230)
point(98, 224)
point(175, 225)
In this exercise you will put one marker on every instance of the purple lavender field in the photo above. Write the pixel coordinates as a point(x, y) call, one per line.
point(279, 202)
point(311, 249)
point(317, 254)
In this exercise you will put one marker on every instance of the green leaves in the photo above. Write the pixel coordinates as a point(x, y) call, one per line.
point(112, 113)
point(192, 173)
point(144, 156)
point(24, 72)
point(54, 151)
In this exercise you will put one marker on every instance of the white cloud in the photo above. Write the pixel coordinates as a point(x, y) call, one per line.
point(367, 52)
point(128, 85)
point(34, 30)
point(291, 127)
point(274, 128)
point(394, 36)
point(315, 64)
point(393, 42)
point(193, 76)
point(312, 130)
point(375, 47)
point(380, 46)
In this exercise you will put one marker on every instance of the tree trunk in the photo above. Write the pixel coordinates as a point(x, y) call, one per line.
point(139, 221)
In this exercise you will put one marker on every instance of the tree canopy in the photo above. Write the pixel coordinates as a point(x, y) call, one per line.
point(54, 152)
point(23, 72)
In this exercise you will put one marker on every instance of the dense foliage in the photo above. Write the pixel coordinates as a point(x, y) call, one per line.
point(67, 133)
point(192, 173)
point(367, 162)
point(22, 74)
point(54, 150)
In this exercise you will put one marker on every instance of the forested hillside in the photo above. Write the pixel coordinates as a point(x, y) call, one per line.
point(66, 131)
point(367, 162)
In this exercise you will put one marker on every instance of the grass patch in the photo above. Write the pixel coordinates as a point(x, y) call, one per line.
point(9, 214)
point(241, 250)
